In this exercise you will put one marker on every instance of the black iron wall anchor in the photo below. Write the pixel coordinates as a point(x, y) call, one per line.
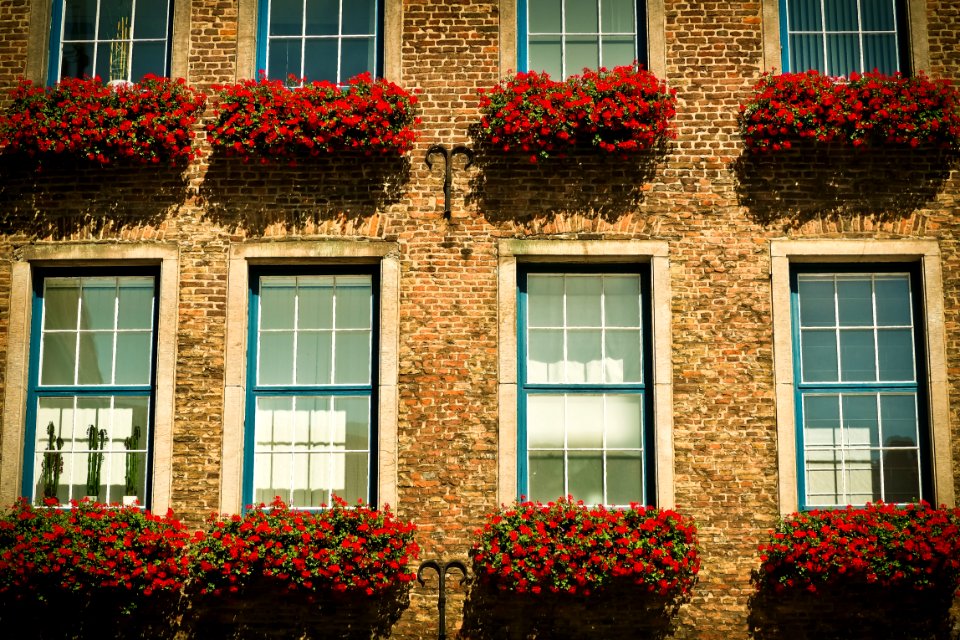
point(442, 568)
point(448, 155)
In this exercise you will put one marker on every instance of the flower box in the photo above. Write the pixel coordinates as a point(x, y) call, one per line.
point(268, 120)
point(147, 122)
point(869, 111)
point(618, 112)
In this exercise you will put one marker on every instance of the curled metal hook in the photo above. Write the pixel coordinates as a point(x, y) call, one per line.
point(448, 155)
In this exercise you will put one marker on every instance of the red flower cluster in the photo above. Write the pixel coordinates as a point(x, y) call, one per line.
point(622, 111)
point(268, 119)
point(913, 546)
point(871, 110)
point(342, 549)
point(87, 547)
point(148, 122)
point(566, 547)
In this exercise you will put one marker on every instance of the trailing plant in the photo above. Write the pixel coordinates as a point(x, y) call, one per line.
point(872, 110)
point(620, 111)
point(52, 464)
point(341, 549)
point(131, 471)
point(148, 122)
point(267, 119)
point(568, 547)
point(96, 440)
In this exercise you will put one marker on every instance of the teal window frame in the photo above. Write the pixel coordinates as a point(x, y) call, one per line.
point(37, 391)
point(256, 390)
point(264, 39)
point(825, 34)
point(58, 40)
point(642, 388)
point(523, 37)
point(843, 389)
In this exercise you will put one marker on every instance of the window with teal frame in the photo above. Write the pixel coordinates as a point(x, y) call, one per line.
point(858, 367)
point(839, 37)
point(91, 385)
point(112, 39)
point(563, 37)
point(311, 400)
point(585, 406)
point(331, 40)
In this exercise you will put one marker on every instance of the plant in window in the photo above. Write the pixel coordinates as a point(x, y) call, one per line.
point(52, 464)
point(620, 111)
point(268, 119)
point(567, 547)
point(131, 470)
point(96, 440)
point(338, 550)
point(148, 122)
point(872, 110)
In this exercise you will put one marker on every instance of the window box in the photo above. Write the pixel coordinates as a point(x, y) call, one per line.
point(269, 120)
point(870, 111)
point(619, 112)
point(147, 122)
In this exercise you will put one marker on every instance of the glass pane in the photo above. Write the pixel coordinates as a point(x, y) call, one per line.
point(133, 358)
point(97, 303)
point(354, 478)
point(271, 477)
point(584, 421)
point(353, 305)
point(101, 65)
point(617, 16)
point(352, 358)
point(358, 56)
point(323, 17)
point(584, 362)
point(898, 413)
point(283, 59)
point(816, 302)
point(862, 476)
point(821, 421)
point(59, 358)
point(79, 20)
point(545, 419)
point(129, 423)
point(877, 15)
point(585, 476)
point(54, 425)
point(319, 428)
point(277, 302)
point(880, 52)
point(855, 302)
point(359, 17)
point(623, 421)
point(77, 60)
point(545, 356)
point(321, 60)
point(60, 299)
point(623, 361)
point(314, 304)
point(901, 476)
point(112, 12)
point(860, 424)
point(857, 356)
point(841, 15)
point(804, 15)
point(150, 20)
point(545, 301)
point(96, 358)
point(545, 55)
point(895, 354)
point(823, 479)
point(276, 358)
point(286, 17)
point(624, 478)
point(621, 300)
point(818, 356)
point(314, 357)
point(583, 52)
point(356, 412)
point(274, 423)
point(583, 301)
point(135, 304)
point(315, 479)
point(148, 57)
point(546, 475)
point(843, 54)
point(893, 301)
point(134, 475)
point(618, 50)
point(581, 16)
point(544, 16)
point(806, 52)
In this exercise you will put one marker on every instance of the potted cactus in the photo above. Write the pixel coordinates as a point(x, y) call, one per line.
point(96, 440)
point(131, 472)
point(52, 465)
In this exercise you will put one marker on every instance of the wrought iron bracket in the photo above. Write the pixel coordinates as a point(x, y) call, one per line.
point(448, 155)
point(442, 568)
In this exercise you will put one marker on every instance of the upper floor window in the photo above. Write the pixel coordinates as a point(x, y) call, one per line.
point(839, 37)
point(112, 39)
point(330, 40)
point(563, 37)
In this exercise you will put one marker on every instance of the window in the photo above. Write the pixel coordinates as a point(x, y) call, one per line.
point(563, 37)
point(584, 395)
point(859, 403)
point(112, 39)
point(310, 409)
point(839, 37)
point(330, 40)
point(91, 389)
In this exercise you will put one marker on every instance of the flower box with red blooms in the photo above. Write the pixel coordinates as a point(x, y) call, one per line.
point(350, 550)
point(913, 546)
point(89, 549)
point(869, 111)
point(268, 120)
point(621, 111)
point(147, 122)
point(567, 547)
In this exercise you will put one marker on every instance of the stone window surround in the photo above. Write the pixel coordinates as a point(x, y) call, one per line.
point(917, 38)
point(312, 253)
point(927, 252)
point(18, 354)
point(656, 38)
point(578, 252)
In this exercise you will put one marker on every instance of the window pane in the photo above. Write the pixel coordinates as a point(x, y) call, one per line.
point(546, 475)
point(623, 361)
point(816, 302)
point(284, 59)
point(545, 301)
point(584, 421)
point(843, 54)
point(323, 17)
point(359, 56)
point(581, 16)
point(314, 304)
point(356, 412)
point(148, 57)
point(804, 15)
point(585, 476)
point(806, 52)
point(618, 50)
point(79, 21)
point(112, 12)
point(857, 356)
point(624, 478)
point(861, 426)
point(97, 300)
point(321, 60)
point(359, 17)
point(352, 355)
point(899, 419)
point(583, 52)
point(841, 15)
point(545, 420)
point(133, 358)
point(880, 53)
point(544, 16)
point(821, 420)
point(545, 55)
point(54, 426)
point(151, 19)
point(135, 303)
point(621, 301)
point(96, 358)
point(286, 17)
point(618, 16)
point(877, 15)
point(59, 358)
point(277, 302)
point(895, 354)
point(77, 60)
point(545, 356)
point(855, 302)
point(583, 301)
point(314, 357)
point(623, 421)
point(354, 479)
point(893, 301)
point(584, 362)
point(823, 478)
point(61, 298)
point(862, 476)
point(818, 356)
point(276, 358)
point(901, 475)
point(274, 423)
point(353, 304)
